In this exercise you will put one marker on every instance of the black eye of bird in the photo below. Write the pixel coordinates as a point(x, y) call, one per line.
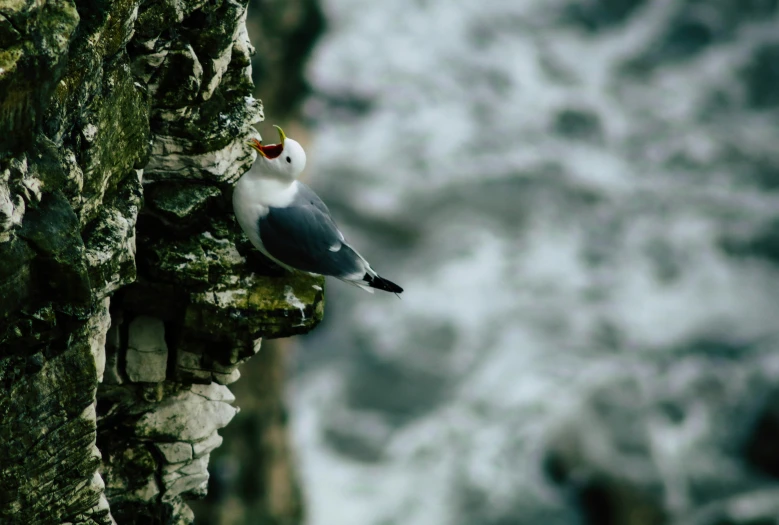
point(289, 160)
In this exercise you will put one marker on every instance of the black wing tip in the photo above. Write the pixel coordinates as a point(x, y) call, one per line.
point(381, 283)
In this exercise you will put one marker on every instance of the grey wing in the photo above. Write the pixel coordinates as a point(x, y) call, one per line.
point(305, 237)
point(307, 196)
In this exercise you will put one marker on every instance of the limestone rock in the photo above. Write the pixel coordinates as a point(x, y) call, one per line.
point(206, 445)
point(177, 452)
point(147, 351)
point(186, 416)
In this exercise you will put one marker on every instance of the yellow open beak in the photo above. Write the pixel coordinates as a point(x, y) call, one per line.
point(282, 137)
point(254, 143)
point(274, 150)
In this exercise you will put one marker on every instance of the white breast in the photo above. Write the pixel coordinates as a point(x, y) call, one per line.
point(252, 197)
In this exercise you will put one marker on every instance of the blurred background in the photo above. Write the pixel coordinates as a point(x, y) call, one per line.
point(581, 200)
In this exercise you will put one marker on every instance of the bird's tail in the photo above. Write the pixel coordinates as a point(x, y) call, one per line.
point(380, 283)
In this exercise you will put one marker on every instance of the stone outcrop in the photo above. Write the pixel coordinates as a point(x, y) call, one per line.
point(128, 296)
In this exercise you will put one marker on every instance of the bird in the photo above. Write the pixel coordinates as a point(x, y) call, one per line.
point(289, 224)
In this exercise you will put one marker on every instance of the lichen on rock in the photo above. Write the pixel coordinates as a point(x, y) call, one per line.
point(128, 297)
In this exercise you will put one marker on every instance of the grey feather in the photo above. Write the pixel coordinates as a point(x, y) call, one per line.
point(303, 234)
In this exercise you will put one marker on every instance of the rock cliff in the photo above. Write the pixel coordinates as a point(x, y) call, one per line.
point(128, 296)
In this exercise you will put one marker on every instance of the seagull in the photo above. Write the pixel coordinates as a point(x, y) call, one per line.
point(289, 223)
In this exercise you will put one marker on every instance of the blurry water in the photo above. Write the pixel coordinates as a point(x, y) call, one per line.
point(580, 201)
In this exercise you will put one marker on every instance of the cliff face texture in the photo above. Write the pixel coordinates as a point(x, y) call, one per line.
point(128, 297)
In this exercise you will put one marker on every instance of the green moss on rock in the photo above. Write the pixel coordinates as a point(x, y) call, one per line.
point(257, 306)
point(8, 33)
point(114, 135)
point(32, 68)
point(52, 230)
point(44, 447)
point(110, 240)
point(176, 201)
point(16, 287)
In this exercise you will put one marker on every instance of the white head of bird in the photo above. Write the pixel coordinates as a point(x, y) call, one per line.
point(285, 160)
